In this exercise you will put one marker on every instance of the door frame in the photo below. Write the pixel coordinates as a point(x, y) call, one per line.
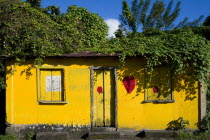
point(92, 93)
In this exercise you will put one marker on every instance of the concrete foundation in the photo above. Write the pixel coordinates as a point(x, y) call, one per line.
point(55, 132)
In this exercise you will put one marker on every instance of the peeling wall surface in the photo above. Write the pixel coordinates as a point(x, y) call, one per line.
point(64, 95)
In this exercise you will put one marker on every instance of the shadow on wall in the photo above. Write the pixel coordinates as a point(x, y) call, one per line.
point(3, 123)
point(159, 84)
point(162, 78)
point(130, 71)
point(27, 72)
point(178, 124)
point(182, 82)
point(28, 66)
point(186, 82)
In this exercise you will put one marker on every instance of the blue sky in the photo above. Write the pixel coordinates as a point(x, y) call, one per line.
point(111, 9)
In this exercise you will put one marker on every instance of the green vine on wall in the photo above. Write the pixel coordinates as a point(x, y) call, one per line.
point(181, 49)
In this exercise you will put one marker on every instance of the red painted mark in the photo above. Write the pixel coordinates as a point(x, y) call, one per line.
point(100, 89)
point(129, 83)
point(155, 89)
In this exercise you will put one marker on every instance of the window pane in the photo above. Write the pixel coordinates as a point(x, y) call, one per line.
point(158, 84)
point(51, 85)
point(56, 84)
point(45, 92)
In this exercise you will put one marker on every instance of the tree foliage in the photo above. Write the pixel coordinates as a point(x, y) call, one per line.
point(180, 49)
point(159, 17)
point(207, 21)
point(53, 10)
point(25, 31)
point(29, 32)
point(34, 3)
point(186, 23)
point(90, 29)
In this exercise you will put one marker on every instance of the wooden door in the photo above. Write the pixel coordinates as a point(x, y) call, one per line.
point(104, 108)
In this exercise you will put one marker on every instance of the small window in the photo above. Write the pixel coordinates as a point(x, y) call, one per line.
point(51, 85)
point(158, 85)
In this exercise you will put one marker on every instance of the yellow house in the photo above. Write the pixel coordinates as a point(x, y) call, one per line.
point(80, 91)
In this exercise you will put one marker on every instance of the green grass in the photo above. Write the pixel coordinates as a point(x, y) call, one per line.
point(188, 135)
point(8, 137)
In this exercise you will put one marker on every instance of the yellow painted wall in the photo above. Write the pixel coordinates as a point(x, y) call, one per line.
point(22, 106)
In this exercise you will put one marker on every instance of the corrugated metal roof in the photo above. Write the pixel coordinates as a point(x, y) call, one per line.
point(79, 54)
point(88, 54)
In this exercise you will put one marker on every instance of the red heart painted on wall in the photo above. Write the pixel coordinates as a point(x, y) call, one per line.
point(100, 89)
point(155, 89)
point(129, 83)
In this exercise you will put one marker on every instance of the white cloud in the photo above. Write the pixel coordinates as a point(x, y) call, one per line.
point(113, 26)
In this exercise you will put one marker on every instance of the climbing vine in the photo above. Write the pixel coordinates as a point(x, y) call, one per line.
point(180, 49)
point(29, 32)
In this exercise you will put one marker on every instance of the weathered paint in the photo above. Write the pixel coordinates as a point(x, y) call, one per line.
point(22, 95)
point(103, 101)
point(51, 85)
point(98, 99)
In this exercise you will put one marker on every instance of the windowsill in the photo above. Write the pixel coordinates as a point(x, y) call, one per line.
point(158, 101)
point(52, 102)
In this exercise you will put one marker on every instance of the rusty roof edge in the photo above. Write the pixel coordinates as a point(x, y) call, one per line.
point(89, 54)
point(76, 54)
